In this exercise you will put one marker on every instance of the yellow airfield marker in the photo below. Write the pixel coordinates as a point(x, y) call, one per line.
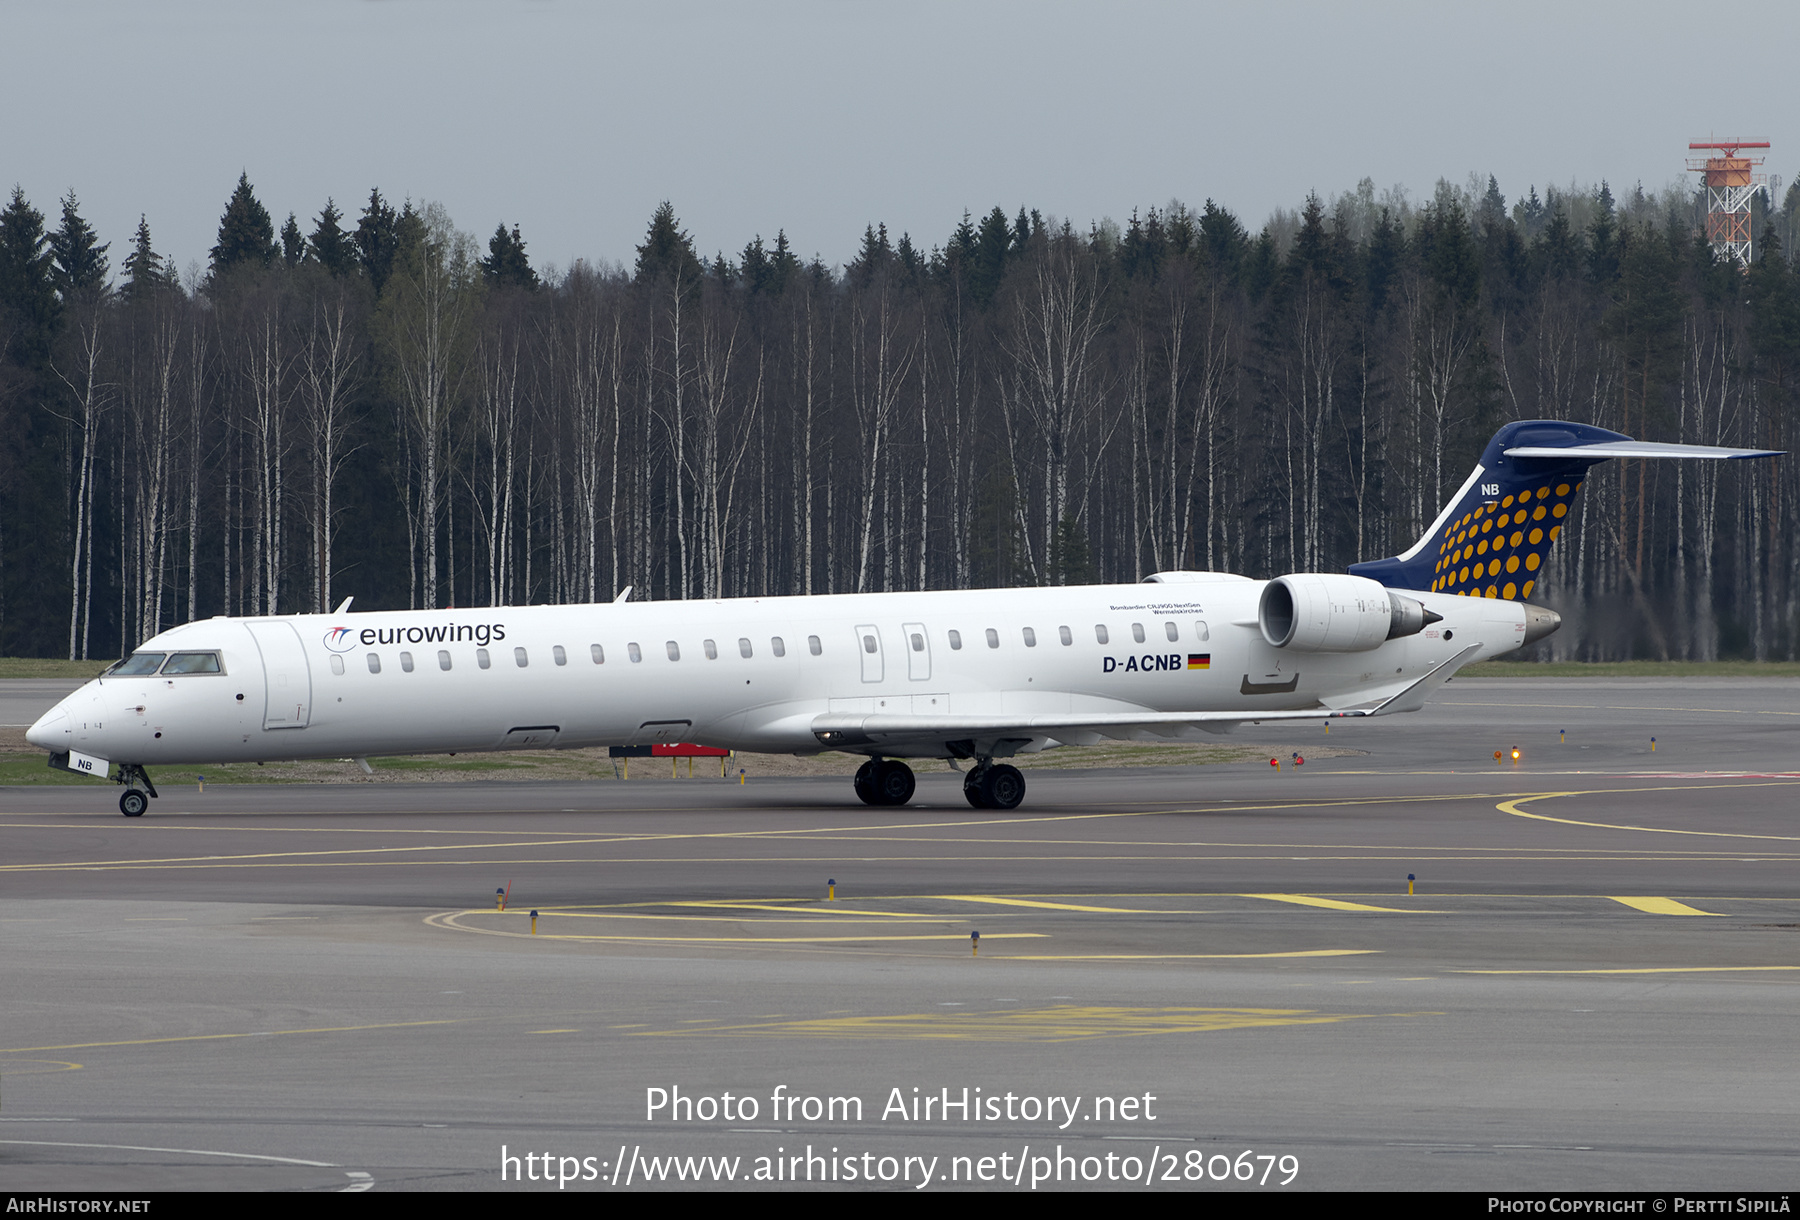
point(1662, 906)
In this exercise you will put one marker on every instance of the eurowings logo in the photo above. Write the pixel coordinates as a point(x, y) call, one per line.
point(339, 639)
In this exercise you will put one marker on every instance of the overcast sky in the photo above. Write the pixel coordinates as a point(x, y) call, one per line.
point(573, 120)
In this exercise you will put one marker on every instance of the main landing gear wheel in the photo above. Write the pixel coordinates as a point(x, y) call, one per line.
point(995, 787)
point(133, 803)
point(884, 783)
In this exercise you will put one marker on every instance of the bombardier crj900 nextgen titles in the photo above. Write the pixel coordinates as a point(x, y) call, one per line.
point(971, 675)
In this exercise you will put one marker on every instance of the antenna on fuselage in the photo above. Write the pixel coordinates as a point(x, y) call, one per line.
point(624, 594)
point(344, 606)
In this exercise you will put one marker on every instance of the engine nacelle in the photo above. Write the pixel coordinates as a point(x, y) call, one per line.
point(1326, 612)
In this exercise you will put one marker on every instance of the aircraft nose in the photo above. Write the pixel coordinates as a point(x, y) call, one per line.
point(52, 731)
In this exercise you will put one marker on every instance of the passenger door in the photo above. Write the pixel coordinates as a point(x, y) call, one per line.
point(287, 680)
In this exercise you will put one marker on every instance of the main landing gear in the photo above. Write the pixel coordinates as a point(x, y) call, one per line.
point(994, 786)
point(133, 802)
point(880, 782)
point(989, 786)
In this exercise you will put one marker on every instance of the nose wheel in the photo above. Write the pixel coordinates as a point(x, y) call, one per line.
point(135, 800)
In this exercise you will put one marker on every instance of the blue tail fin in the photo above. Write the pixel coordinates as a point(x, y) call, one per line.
point(1495, 533)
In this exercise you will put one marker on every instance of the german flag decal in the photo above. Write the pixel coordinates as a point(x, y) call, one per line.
point(1199, 660)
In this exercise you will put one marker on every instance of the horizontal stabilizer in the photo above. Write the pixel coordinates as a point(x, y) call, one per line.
point(1638, 449)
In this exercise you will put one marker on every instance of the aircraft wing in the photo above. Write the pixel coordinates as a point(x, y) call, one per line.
point(840, 731)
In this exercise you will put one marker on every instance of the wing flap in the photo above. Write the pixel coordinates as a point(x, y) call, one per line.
point(839, 730)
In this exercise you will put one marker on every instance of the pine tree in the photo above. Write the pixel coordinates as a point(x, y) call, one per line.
point(376, 240)
point(27, 290)
point(293, 246)
point(506, 264)
point(1223, 239)
point(756, 266)
point(667, 250)
point(246, 234)
point(1603, 241)
point(784, 264)
point(145, 273)
point(989, 266)
point(334, 248)
point(79, 257)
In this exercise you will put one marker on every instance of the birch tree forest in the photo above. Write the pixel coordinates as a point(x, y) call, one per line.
point(386, 407)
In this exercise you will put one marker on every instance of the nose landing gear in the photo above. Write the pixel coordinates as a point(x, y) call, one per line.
point(133, 802)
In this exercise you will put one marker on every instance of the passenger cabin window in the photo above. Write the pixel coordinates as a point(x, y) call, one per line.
point(1170, 630)
point(520, 659)
point(743, 647)
point(337, 665)
point(993, 638)
point(674, 650)
point(636, 654)
point(139, 663)
point(777, 647)
point(482, 659)
point(1030, 638)
point(1137, 632)
point(1100, 632)
point(1200, 631)
point(406, 661)
point(374, 663)
point(956, 641)
point(193, 663)
point(598, 653)
point(918, 642)
point(813, 645)
point(443, 660)
point(1065, 635)
point(712, 650)
point(558, 655)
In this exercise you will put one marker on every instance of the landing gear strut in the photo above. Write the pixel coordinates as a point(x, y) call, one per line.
point(991, 786)
point(133, 802)
point(880, 782)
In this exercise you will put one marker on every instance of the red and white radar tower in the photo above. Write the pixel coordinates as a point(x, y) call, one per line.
point(1731, 180)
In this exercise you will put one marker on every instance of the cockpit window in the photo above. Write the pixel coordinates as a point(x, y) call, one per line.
point(193, 663)
point(139, 663)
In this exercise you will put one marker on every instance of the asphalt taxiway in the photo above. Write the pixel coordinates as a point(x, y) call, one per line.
point(1591, 985)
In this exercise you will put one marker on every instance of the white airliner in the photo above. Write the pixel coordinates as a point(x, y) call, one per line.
point(974, 675)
